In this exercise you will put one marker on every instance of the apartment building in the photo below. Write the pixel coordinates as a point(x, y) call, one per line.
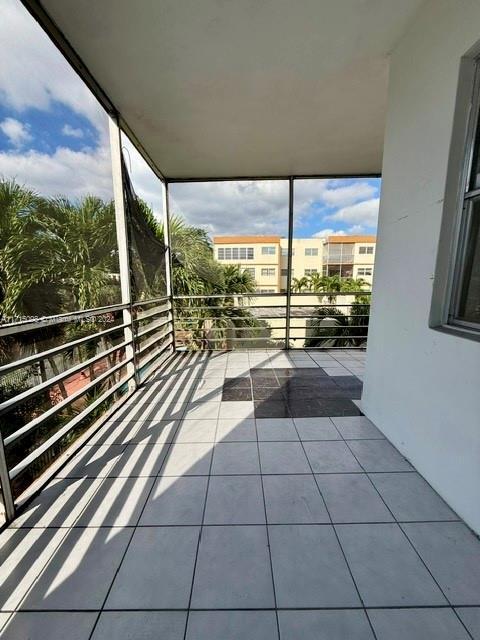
point(266, 257)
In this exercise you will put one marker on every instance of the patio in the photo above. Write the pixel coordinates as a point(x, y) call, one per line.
point(241, 495)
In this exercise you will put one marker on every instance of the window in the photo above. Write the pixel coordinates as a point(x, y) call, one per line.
point(364, 271)
point(284, 251)
point(268, 272)
point(311, 251)
point(268, 251)
point(235, 253)
point(265, 290)
point(250, 270)
point(465, 295)
point(285, 272)
point(308, 272)
point(365, 250)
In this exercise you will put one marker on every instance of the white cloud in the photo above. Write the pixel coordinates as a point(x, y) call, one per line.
point(234, 207)
point(346, 195)
point(33, 73)
point(16, 132)
point(72, 132)
point(362, 213)
point(324, 233)
point(70, 173)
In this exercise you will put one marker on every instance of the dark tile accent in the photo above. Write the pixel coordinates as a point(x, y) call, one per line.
point(348, 382)
point(328, 407)
point(264, 381)
point(271, 409)
point(236, 394)
point(306, 372)
point(268, 393)
point(305, 409)
point(237, 383)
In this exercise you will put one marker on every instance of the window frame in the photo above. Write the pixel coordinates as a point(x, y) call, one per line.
point(453, 234)
point(269, 251)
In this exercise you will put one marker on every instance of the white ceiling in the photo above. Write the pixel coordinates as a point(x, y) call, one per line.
point(223, 88)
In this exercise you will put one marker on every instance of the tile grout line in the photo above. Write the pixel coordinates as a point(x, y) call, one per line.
point(134, 529)
point(335, 532)
point(404, 533)
point(266, 523)
point(200, 531)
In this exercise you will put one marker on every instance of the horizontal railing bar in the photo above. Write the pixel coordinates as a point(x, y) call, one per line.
point(151, 301)
point(234, 338)
point(330, 348)
point(181, 310)
point(33, 424)
point(27, 325)
point(274, 295)
point(152, 327)
point(153, 312)
point(151, 356)
point(336, 337)
point(232, 295)
point(204, 329)
point(26, 462)
point(18, 399)
point(153, 341)
point(155, 365)
point(18, 364)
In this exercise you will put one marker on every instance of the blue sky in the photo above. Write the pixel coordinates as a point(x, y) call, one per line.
point(54, 139)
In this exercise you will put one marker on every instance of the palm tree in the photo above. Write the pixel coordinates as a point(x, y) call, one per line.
point(55, 256)
point(300, 285)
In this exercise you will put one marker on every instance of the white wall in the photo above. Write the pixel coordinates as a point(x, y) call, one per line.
point(422, 387)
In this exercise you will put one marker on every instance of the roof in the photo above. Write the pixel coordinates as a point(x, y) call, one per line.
point(241, 89)
point(351, 239)
point(246, 240)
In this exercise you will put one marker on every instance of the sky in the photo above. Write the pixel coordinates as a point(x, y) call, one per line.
point(54, 139)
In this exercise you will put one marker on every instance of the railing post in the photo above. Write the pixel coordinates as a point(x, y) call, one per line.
point(6, 486)
point(123, 250)
point(168, 256)
point(289, 262)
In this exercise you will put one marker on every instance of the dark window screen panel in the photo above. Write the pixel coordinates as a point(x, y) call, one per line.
point(469, 300)
point(147, 247)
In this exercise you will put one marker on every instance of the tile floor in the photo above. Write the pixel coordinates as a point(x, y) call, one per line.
point(241, 496)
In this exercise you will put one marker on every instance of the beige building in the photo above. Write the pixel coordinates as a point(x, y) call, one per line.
point(266, 257)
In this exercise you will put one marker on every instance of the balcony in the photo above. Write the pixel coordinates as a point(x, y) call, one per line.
point(239, 493)
point(186, 451)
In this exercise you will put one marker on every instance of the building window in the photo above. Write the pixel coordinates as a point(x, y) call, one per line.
point(464, 307)
point(285, 272)
point(364, 271)
point(311, 251)
point(308, 272)
point(266, 290)
point(365, 250)
point(235, 253)
point(251, 271)
point(268, 251)
point(268, 272)
point(284, 251)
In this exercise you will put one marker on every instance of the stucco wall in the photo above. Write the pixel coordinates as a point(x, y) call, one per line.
point(422, 387)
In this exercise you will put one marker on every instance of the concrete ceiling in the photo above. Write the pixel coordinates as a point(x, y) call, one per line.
point(223, 88)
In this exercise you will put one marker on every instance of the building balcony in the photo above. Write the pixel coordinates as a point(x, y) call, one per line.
point(239, 491)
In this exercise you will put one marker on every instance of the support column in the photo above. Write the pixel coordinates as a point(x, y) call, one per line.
point(8, 501)
point(168, 257)
point(123, 250)
point(289, 261)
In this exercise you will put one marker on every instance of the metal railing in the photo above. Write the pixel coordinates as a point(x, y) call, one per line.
point(323, 320)
point(64, 374)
